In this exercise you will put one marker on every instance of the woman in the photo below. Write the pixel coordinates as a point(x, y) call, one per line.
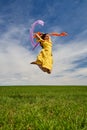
point(44, 59)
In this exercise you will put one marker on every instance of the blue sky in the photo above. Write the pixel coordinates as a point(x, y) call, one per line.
point(69, 53)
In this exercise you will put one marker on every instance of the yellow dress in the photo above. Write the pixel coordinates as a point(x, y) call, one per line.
point(45, 58)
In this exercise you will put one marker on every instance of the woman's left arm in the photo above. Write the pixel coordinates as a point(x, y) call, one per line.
point(38, 37)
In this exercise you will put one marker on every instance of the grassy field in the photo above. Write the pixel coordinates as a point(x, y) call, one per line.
point(43, 108)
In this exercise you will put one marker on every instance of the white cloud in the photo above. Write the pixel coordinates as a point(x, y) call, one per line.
point(15, 58)
point(65, 67)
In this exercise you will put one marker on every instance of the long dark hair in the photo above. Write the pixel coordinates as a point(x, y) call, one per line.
point(43, 35)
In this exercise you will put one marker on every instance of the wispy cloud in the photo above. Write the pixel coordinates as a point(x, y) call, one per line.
point(68, 61)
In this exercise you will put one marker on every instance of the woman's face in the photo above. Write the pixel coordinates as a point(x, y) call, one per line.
point(47, 37)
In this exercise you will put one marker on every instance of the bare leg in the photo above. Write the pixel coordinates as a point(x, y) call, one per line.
point(45, 69)
point(42, 68)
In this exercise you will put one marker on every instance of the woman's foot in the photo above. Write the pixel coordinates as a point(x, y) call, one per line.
point(48, 71)
point(34, 62)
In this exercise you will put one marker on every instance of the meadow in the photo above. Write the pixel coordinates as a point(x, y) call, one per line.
point(43, 108)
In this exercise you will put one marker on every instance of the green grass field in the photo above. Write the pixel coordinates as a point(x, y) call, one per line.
point(43, 108)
